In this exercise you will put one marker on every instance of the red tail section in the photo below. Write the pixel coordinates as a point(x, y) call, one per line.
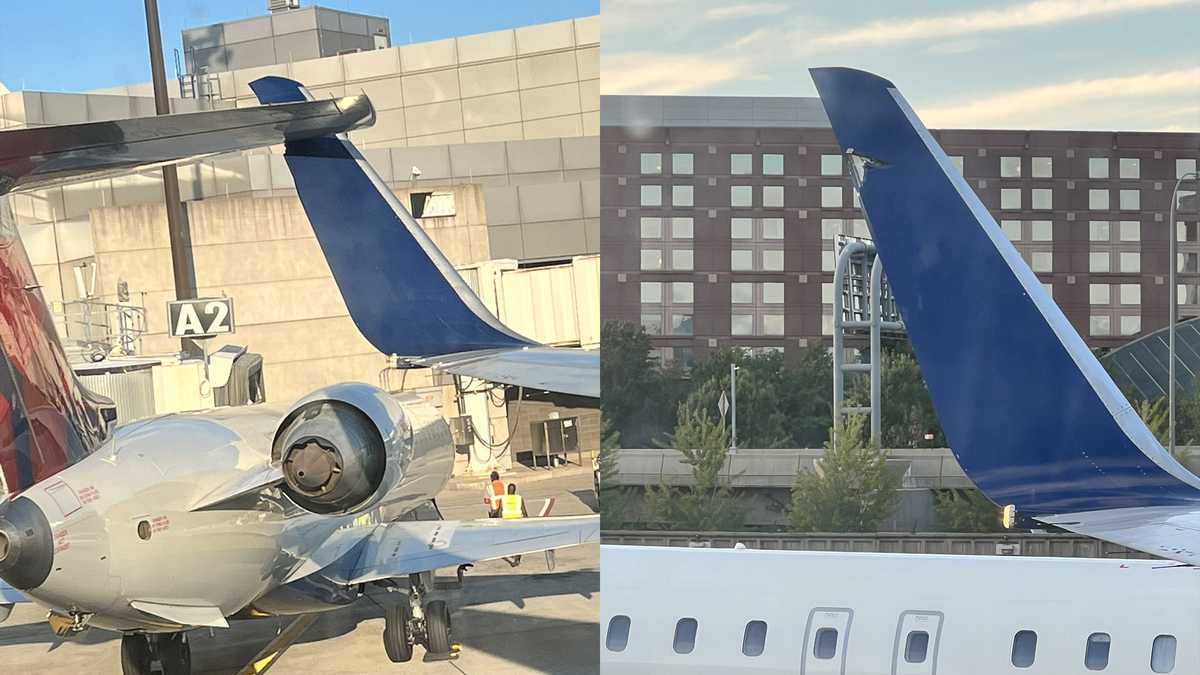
point(48, 421)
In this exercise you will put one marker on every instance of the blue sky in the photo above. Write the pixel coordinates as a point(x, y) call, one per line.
point(1034, 64)
point(77, 46)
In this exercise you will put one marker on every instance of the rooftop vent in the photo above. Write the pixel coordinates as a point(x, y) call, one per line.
point(282, 5)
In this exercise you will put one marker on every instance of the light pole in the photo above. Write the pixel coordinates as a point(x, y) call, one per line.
point(1173, 312)
point(733, 408)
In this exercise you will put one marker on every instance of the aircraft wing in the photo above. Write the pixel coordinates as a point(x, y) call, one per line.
point(400, 548)
point(402, 293)
point(1029, 412)
point(10, 595)
point(41, 156)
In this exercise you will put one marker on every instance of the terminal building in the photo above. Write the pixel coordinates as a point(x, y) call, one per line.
point(721, 217)
point(496, 134)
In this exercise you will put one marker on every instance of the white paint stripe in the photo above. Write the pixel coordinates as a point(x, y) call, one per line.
point(1114, 401)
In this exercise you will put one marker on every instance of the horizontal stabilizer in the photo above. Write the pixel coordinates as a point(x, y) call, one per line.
point(184, 615)
point(41, 156)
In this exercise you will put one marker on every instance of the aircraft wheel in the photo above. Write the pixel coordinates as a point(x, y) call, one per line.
point(396, 633)
point(135, 655)
point(437, 627)
point(175, 654)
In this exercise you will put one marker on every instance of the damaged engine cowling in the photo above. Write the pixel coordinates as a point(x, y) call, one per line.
point(342, 449)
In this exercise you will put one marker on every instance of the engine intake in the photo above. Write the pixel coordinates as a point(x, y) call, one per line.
point(333, 458)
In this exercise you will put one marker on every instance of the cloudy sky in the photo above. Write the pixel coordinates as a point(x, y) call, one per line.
point(1031, 64)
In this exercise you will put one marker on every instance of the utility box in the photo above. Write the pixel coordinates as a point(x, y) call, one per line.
point(462, 431)
point(552, 440)
point(236, 376)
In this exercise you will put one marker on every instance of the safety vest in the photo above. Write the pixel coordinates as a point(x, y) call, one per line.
point(512, 507)
point(495, 492)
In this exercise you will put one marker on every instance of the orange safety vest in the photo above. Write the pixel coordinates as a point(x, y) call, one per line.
point(495, 490)
point(512, 507)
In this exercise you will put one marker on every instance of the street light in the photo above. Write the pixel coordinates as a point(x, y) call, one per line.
point(1173, 313)
point(733, 408)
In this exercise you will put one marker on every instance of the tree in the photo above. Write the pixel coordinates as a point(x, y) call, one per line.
point(614, 499)
point(639, 399)
point(908, 413)
point(706, 505)
point(967, 511)
point(1155, 415)
point(849, 489)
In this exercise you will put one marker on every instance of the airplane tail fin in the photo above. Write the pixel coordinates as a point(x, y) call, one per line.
point(1029, 412)
point(403, 294)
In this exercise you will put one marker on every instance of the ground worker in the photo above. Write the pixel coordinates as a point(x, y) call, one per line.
point(512, 505)
point(493, 492)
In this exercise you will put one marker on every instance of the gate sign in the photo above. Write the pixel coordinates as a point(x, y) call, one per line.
point(200, 318)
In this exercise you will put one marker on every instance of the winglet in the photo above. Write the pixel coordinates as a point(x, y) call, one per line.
point(273, 89)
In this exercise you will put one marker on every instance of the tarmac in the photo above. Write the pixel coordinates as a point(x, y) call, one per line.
point(508, 620)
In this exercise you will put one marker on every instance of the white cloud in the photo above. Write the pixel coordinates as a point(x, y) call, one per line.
point(667, 74)
point(744, 10)
point(1026, 15)
point(1061, 105)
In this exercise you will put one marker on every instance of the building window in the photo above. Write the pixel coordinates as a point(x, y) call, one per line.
point(916, 647)
point(1131, 294)
point(682, 164)
point(682, 259)
point(831, 165)
point(741, 260)
point(1099, 261)
point(828, 261)
point(1131, 168)
point(741, 293)
point(651, 228)
point(740, 195)
point(652, 259)
point(754, 639)
point(772, 324)
point(831, 197)
point(652, 323)
point(681, 228)
point(1162, 654)
point(1043, 262)
point(772, 196)
point(1187, 262)
point(741, 165)
point(772, 165)
point(685, 636)
point(1024, 648)
point(825, 644)
point(1098, 200)
point(1043, 199)
point(1099, 325)
point(682, 292)
point(1097, 167)
point(651, 195)
point(1012, 229)
point(1131, 324)
point(1043, 230)
point(681, 324)
point(1010, 167)
point(772, 293)
point(1098, 294)
point(741, 324)
point(1184, 166)
point(1131, 262)
point(1098, 230)
point(741, 228)
point(618, 634)
point(772, 228)
point(681, 195)
point(957, 161)
point(1010, 198)
point(1131, 200)
point(772, 260)
point(1043, 167)
point(651, 163)
point(651, 291)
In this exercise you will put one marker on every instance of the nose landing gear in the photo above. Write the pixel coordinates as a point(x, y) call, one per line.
point(171, 652)
point(413, 621)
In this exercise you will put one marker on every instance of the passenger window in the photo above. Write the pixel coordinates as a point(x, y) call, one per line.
point(685, 636)
point(825, 646)
point(754, 640)
point(1024, 648)
point(916, 646)
point(1096, 656)
point(1162, 654)
point(618, 633)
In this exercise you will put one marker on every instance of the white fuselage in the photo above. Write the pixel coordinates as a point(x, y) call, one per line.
point(865, 613)
point(225, 556)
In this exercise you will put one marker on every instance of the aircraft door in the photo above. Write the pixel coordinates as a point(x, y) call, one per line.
point(916, 648)
point(825, 641)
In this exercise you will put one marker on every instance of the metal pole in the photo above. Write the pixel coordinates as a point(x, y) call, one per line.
point(1172, 313)
point(182, 265)
point(876, 289)
point(733, 408)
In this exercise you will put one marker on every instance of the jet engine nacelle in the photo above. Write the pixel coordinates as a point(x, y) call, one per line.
point(343, 448)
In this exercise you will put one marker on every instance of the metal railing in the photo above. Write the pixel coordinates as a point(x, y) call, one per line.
point(97, 329)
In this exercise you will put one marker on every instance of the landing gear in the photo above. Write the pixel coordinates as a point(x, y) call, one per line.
point(170, 650)
point(413, 621)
